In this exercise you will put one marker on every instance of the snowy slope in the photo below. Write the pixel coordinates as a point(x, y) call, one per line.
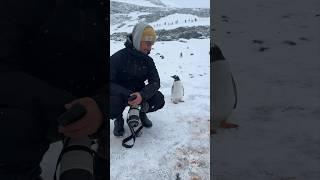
point(178, 142)
point(169, 3)
point(139, 2)
point(180, 20)
point(168, 22)
point(279, 87)
point(187, 3)
point(126, 25)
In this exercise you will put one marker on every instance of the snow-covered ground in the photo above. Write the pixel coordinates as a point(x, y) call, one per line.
point(178, 142)
point(279, 90)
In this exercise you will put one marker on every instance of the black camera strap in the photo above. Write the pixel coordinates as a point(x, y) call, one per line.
point(132, 136)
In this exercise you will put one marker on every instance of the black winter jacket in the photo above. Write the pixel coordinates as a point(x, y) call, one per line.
point(62, 44)
point(129, 69)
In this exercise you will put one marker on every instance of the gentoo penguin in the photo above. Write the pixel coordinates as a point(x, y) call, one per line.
point(223, 90)
point(177, 91)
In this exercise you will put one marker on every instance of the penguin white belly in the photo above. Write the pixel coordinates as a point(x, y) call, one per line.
point(177, 92)
point(222, 91)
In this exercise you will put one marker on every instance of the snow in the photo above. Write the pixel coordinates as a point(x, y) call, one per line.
point(187, 3)
point(176, 20)
point(278, 110)
point(172, 21)
point(171, 3)
point(49, 161)
point(138, 2)
point(178, 142)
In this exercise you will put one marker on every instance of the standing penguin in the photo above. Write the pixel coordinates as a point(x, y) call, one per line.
point(224, 92)
point(177, 90)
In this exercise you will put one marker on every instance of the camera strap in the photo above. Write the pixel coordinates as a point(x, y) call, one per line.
point(132, 136)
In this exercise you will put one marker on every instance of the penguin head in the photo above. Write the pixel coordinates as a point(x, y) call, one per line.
point(216, 54)
point(176, 78)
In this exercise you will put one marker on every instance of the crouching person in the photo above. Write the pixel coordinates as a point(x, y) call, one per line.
point(130, 67)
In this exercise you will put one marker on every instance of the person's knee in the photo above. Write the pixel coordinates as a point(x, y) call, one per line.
point(160, 100)
point(156, 102)
point(117, 106)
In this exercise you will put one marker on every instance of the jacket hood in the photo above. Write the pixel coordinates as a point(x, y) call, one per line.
point(137, 34)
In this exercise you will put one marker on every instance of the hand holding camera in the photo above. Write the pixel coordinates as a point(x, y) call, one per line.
point(135, 99)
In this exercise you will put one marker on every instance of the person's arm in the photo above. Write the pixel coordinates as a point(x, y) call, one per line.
point(153, 82)
point(115, 88)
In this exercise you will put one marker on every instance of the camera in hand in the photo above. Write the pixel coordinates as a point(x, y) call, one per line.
point(133, 117)
point(71, 115)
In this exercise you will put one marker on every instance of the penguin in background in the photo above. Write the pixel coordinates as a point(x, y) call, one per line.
point(223, 91)
point(177, 90)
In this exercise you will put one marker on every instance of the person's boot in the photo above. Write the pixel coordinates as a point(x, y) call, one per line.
point(145, 120)
point(118, 127)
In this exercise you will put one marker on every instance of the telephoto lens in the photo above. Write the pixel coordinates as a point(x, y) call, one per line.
point(133, 116)
point(77, 163)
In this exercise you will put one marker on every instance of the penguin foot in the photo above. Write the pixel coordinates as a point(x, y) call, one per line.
point(226, 125)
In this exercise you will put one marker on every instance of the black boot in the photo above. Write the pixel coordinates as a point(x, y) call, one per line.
point(145, 120)
point(118, 127)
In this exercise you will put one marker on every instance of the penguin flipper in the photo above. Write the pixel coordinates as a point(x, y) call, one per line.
point(182, 91)
point(171, 89)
